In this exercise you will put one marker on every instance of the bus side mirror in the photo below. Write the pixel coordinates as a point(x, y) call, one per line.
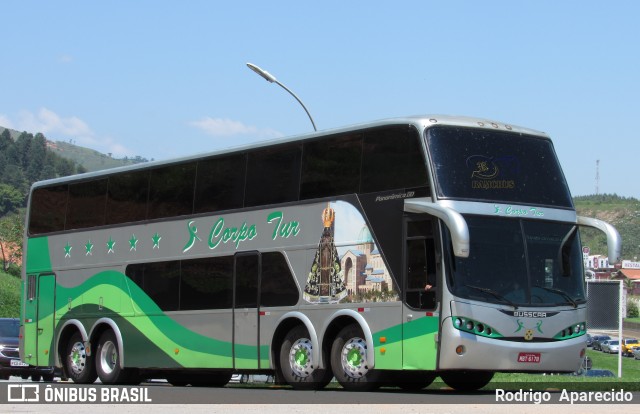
point(451, 218)
point(614, 241)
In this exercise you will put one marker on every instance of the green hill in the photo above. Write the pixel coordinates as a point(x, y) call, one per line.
point(91, 160)
point(621, 212)
point(9, 296)
point(88, 159)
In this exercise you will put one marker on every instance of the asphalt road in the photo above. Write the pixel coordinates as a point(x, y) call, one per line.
point(161, 397)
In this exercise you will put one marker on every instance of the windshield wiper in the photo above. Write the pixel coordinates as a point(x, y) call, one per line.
point(561, 293)
point(494, 294)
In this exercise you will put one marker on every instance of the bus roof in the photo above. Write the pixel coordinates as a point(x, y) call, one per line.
point(419, 121)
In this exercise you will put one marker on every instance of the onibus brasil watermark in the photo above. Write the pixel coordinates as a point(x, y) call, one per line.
point(565, 396)
point(33, 393)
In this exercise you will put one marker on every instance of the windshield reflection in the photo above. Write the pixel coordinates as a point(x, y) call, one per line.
point(518, 262)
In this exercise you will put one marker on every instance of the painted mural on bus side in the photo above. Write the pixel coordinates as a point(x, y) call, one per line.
point(347, 266)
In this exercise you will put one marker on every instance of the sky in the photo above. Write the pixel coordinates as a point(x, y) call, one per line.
point(162, 79)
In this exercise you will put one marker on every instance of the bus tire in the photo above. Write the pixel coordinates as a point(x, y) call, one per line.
point(349, 362)
point(296, 362)
point(78, 365)
point(411, 380)
point(212, 379)
point(177, 380)
point(107, 358)
point(466, 380)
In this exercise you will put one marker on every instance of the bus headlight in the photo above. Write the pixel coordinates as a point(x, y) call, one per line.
point(572, 331)
point(475, 327)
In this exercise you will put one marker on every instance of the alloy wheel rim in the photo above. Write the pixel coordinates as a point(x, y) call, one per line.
point(78, 358)
point(300, 358)
point(354, 358)
point(108, 357)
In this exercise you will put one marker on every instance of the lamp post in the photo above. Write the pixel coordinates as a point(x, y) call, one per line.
point(270, 78)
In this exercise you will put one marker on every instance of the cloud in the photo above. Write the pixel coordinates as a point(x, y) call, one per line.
point(219, 127)
point(48, 122)
point(58, 128)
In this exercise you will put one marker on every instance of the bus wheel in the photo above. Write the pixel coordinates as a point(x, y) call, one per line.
point(466, 380)
point(108, 361)
point(215, 379)
point(297, 364)
point(413, 380)
point(78, 365)
point(349, 361)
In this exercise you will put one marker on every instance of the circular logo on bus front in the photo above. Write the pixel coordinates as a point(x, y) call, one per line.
point(528, 335)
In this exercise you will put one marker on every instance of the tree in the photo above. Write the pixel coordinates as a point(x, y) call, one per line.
point(36, 158)
point(11, 233)
point(5, 140)
point(23, 149)
point(11, 199)
point(14, 176)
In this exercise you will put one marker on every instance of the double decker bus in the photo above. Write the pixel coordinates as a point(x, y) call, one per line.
point(387, 253)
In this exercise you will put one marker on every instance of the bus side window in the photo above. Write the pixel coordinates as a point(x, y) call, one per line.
point(421, 266)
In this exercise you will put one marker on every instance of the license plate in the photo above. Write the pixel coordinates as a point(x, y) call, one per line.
point(17, 363)
point(529, 357)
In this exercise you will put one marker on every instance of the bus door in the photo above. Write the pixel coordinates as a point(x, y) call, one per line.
point(39, 318)
point(421, 297)
point(246, 326)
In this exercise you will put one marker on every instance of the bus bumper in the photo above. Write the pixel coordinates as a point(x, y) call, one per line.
point(465, 351)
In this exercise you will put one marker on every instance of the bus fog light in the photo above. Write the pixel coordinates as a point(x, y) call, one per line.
point(460, 350)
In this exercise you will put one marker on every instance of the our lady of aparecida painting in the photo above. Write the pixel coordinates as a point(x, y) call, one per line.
point(325, 283)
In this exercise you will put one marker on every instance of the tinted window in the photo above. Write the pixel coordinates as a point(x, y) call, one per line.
point(171, 191)
point(161, 281)
point(127, 197)
point(481, 164)
point(48, 209)
point(87, 202)
point(540, 262)
point(220, 183)
point(206, 283)
point(278, 287)
point(247, 273)
point(331, 167)
point(392, 159)
point(273, 175)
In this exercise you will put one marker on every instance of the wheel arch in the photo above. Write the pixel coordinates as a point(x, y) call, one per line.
point(287, 322)
point(341, 319)
point(65, 332)
point(102, 325)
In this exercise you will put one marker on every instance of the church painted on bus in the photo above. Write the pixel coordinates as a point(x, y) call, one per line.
point(363, 267)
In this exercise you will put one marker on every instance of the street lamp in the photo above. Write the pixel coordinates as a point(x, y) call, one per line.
point(270, 78)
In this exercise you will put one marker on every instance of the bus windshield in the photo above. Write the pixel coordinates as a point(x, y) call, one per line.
point(520, 262)
point(497, 166)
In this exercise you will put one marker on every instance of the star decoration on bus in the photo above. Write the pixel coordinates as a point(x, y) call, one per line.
point(110, 245)
point(156, 240)
point(67, 250)
point(88, 248)
point(133, 243)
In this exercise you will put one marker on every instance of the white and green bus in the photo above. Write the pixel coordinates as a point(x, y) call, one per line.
point(382, 254)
